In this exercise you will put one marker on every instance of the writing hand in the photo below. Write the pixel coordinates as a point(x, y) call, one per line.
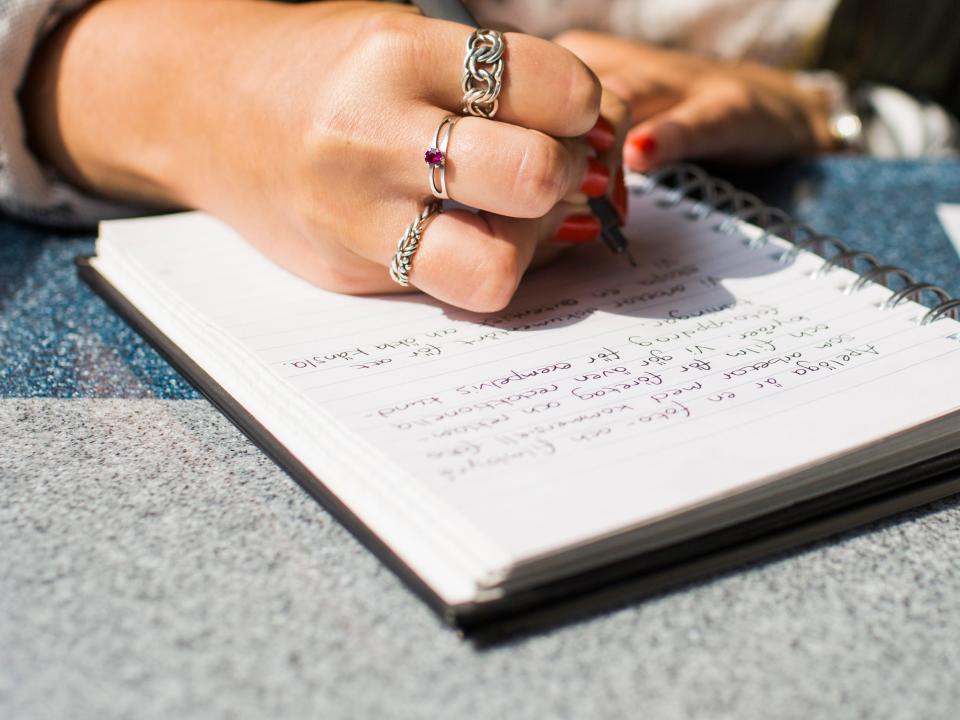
point(304, 127)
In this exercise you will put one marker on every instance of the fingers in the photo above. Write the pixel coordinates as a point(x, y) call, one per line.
point(545, 87)
point(692, 128)
point(472, 261)
point(719, 119)
point(477, 261)
point(646, 77)
point(509, 170)
point(617, 112)
point(606, 140)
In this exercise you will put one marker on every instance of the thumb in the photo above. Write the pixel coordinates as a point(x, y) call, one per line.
point(700, 126)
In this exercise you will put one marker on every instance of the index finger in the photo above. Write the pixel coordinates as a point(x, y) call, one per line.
point(545, 87)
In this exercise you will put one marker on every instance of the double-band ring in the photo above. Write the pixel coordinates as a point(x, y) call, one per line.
point(436, 157)
point(408, 244)
point(483, 73)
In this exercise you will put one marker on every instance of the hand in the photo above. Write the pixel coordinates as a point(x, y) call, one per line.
point(304, 127)
point(687, 106)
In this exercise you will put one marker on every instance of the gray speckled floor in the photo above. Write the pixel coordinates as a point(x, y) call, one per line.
point(188, 577)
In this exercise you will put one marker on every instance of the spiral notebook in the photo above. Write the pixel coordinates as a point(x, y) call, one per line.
point(751, 385)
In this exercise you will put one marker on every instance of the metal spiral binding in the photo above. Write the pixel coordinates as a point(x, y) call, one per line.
point(713, 195)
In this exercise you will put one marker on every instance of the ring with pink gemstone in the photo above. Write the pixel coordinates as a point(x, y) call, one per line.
point(436, 157)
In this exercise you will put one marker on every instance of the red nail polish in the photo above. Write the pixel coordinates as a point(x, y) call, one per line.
point(601, 135)
point(643, 144)
point(578, 229)
point(620, 196)
point(597, 179)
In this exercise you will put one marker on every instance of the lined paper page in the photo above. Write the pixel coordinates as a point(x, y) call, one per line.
point(604, 396)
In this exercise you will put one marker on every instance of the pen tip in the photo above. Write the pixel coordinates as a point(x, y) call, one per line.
point(633, 263)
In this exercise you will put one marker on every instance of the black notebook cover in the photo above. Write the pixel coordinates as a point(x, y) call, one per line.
point(604, 587)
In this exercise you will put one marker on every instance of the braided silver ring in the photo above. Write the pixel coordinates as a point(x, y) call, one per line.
point(483, 73)
point(408, 244)
point(436, 157)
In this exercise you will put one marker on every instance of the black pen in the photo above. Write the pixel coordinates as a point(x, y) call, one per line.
point(609, 218)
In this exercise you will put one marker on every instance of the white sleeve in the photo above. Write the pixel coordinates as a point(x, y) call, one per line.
point(29, 190)
point(898, 125)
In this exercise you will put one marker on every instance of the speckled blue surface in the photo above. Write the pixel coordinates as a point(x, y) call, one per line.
point(57, 339)
point(885, 207)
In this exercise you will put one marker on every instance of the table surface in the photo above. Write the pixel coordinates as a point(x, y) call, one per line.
point(155, 563)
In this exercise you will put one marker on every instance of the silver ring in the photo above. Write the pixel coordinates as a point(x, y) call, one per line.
point(408, 244)
point(436, 157)
point(483, 73)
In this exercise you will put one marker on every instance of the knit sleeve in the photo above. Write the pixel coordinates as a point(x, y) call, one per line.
point(28, 189)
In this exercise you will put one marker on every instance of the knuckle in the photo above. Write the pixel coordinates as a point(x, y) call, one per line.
point(540, 178)
point(386, 34)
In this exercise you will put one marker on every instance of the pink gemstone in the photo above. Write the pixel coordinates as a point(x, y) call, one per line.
point(433, 157)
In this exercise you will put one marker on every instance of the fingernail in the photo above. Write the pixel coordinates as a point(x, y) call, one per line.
point(601, 135)
point(578, 229)
point(597, 179)
point(643, 144)
point(620, 196)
